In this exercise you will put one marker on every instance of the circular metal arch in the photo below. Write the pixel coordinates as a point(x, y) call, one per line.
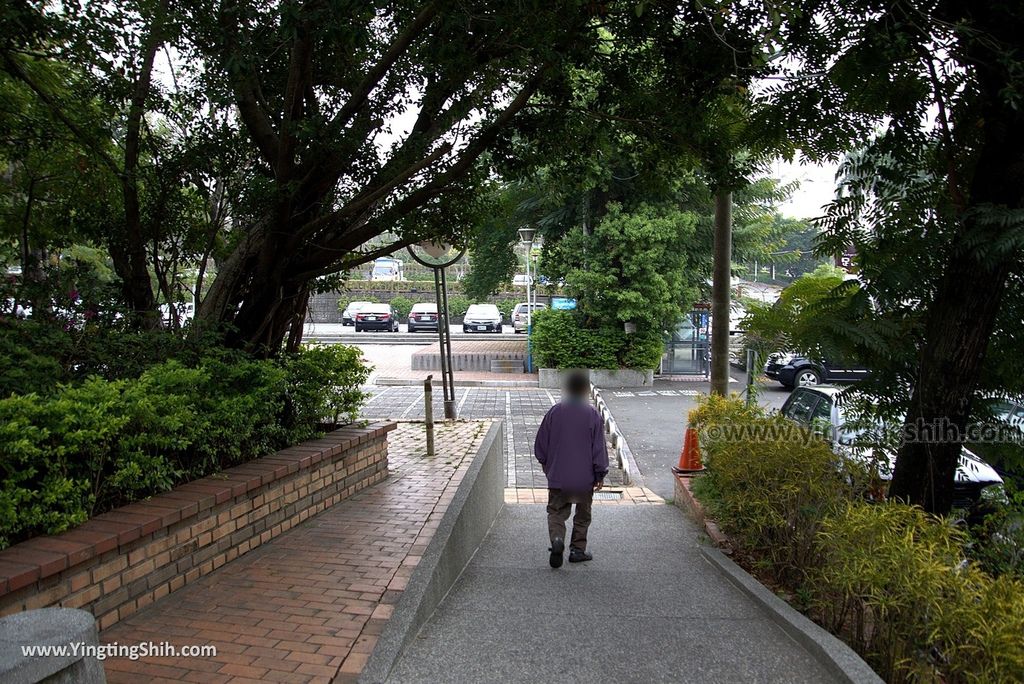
point(431, 255)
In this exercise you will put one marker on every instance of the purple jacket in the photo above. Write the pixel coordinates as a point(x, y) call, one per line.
point(571, 448)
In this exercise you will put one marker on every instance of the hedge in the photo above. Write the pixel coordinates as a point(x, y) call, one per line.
point(561, 341)
point(890, 580)
point(100, 444)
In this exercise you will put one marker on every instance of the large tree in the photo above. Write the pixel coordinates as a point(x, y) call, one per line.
point(929, 95)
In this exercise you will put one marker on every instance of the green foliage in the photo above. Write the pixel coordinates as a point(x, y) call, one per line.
point(797, 321)
point(997, 543)
point(890, 582)
point(506, 306)
point(559, 342)
point(402, 306)
point(775, 481)
point(887, 578)
point(49, 353)
point(630, 269)
point(325, 384)
point(458, 305)
point(103, 443)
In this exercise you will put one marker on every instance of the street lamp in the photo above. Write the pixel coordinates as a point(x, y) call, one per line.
point(526, 237)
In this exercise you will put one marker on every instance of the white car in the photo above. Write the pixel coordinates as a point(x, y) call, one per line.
point(521, 280)
point(812, 406)
point(348, 316)
point(482, 318)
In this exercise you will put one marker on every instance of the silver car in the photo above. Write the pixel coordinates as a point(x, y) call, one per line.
point(519, 318)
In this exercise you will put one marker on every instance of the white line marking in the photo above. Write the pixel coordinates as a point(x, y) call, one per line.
point(415, 402)
point(378, 395)
point(458, 410)
point(510, 444)
point(550, 398)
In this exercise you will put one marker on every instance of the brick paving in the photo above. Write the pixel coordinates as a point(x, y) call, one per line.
point(309, 606)
point(608, 495)
point(522, 409)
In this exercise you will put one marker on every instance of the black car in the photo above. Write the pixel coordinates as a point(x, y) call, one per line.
point(377, 317)
point(793, 370)
point(423, 317)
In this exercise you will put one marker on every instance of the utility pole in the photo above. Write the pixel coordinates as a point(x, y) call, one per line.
point(720, 285)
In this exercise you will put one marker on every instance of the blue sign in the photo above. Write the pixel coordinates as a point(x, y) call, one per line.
point(563, 303)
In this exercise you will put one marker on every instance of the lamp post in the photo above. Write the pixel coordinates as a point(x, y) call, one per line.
point(526, 237)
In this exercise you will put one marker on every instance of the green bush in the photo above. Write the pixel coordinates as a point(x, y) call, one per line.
point(103, 443)
point(402, 306)
point(506, 306)
point(892, 583)
point(559, 342)
point(457, 305)
point(889, 579)
point(775, 483)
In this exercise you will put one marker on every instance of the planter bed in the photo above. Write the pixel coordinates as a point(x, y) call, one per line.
point(121, 561)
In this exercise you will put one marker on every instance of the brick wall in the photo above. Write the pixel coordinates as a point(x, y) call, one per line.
point(119, 562)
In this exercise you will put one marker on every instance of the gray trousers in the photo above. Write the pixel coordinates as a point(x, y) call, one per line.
point(560, 506)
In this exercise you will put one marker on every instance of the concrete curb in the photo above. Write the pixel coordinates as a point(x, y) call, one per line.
point(622, 451)
point(409, 382)
point(838, 658)
point(474, 507)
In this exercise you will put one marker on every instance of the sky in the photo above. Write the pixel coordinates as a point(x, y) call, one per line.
point(817, 186)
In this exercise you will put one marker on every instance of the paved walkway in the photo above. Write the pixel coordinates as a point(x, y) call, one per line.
point(648, 608)
point(308, 606)
point(522, 409)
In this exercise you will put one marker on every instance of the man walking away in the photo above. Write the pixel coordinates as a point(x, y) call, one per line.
point(571, 449)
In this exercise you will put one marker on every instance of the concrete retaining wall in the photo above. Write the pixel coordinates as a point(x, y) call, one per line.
point(120, 562)
point(552, 377)
point(474, 507)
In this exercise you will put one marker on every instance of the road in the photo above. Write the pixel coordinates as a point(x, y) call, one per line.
point(314, 329)
point(653, 423)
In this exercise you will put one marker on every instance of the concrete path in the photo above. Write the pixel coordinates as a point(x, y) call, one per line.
point(648, 608)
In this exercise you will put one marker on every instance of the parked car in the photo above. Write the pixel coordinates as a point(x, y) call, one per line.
point(348, 316)
point(377, 317)
point(482, 318)
point(812, 406)
point(795, 370)
point(521, 280)
point(423, 317)
point(519, 318)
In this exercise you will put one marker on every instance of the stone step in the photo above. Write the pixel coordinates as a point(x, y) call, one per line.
point(507, 366)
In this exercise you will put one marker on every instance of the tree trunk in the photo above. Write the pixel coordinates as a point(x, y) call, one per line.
point(720, 285)
point(962, 317)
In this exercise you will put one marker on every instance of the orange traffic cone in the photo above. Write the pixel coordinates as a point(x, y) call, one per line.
point(689, 457)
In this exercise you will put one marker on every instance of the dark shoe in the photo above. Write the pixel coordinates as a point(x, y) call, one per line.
point(577, 556)
point(557, 549)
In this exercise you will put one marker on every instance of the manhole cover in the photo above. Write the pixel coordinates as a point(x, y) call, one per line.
point(607, 496)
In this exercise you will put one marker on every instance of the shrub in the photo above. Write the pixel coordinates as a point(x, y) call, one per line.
point(775, 483)
point(457, 305)
point(506, 306)
point(559, 342)
point(893, 584)
point(889, 579)
point(103, 443)
point(325, 383)
point(402, 305)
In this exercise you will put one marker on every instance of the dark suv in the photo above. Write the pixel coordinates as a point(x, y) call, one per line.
point(793, 370)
